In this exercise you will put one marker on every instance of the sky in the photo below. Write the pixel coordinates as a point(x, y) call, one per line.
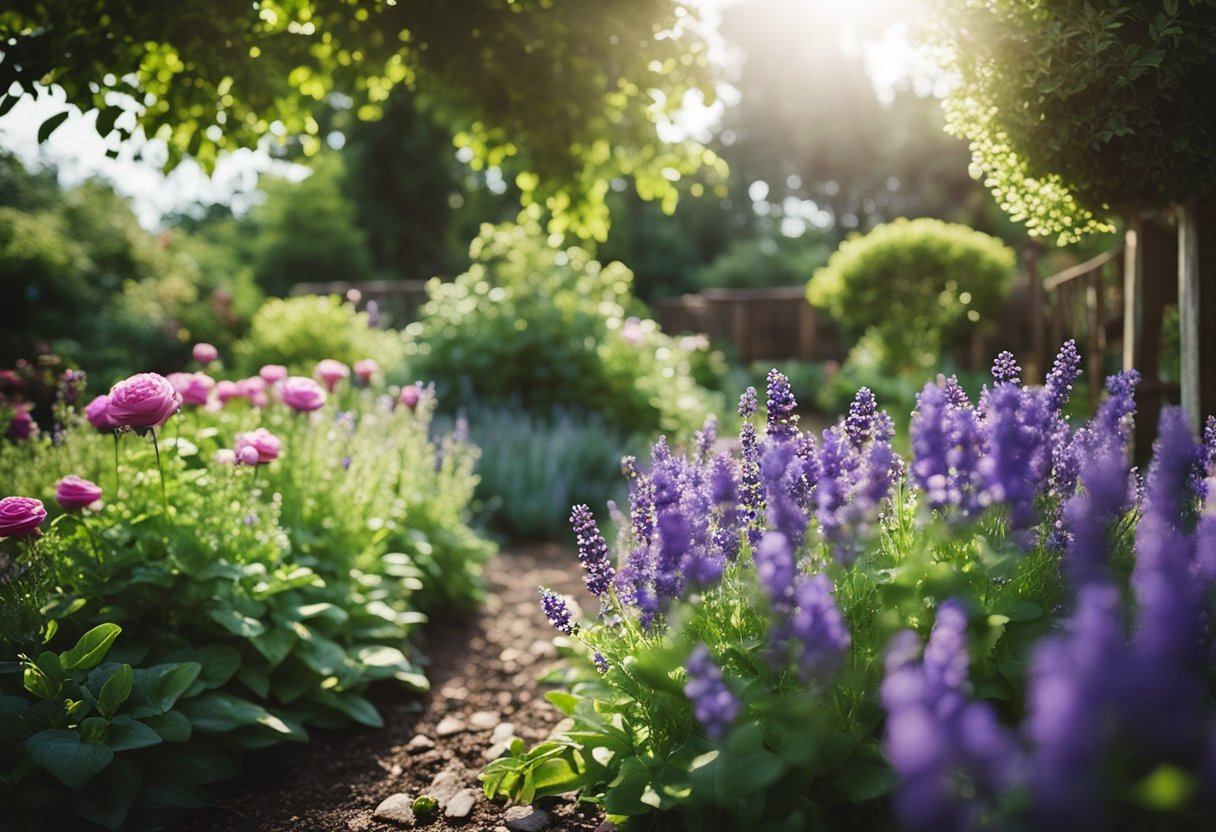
point(79, 153)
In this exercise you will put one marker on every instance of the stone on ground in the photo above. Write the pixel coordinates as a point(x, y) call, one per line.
point(396, 808)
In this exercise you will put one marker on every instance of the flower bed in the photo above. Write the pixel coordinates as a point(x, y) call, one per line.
point(228, 566)
point(1009, 630)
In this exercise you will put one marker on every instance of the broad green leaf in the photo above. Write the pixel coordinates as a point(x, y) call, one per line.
point(62, 754)
point(158, 688)
point(217, 713)
point(91, 648)
point(115, 691)
point(351, 704)
point(108, 797)
point(50, 125)
point(126, 733)
point(275, 644)
point(219, 664)
point(237, 624)
point(171, 727)
point(106, 119)
point(561, 700)
point(37, 683)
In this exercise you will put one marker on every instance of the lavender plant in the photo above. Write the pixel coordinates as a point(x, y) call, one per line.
point(757, 662)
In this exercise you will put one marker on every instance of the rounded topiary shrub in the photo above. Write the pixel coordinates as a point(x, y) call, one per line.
point(544, 327)
point(920, 285)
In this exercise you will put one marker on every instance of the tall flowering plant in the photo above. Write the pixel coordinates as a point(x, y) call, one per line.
point(1007, 630)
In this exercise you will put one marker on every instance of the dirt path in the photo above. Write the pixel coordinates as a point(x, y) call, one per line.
point(483, 674)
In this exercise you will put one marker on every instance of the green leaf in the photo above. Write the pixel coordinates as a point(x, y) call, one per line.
point(217, 713)
point(126, 733)
point(171, 727)
point(115, 691)
point(106, 119)
point(49, 126)
point(7, 103)
point(62, 754)
point(276, 644)
point(237, 624)
point(351, 704)
point(91, 648)
point(158, 688)
point(563, 701)
point(220, 663)
point(37, 683)
point(108, 798)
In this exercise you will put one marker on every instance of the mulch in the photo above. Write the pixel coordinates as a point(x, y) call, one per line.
point(484, 672)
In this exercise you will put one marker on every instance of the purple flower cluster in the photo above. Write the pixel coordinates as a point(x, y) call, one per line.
point(713, 703)
point(592, 551)
point(947, 445)
point(781, 407)
point(557, 611)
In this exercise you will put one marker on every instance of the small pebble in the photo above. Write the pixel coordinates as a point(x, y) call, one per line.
point(526, 819)
point(461, 804)
point(445, 784)
point(504, 732)
point(396, 808)
point(420, 743)
point(449, 725)
point(483, 720)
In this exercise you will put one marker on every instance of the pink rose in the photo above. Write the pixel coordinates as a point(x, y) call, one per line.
point(145, 400)
point(194, 388)
point(365, 369)
point(254, 389)
point(73, 492)
point(98, 414)
point(225, 390)
point(21, 516)
point(205, 353)
point(331, 372)
point(22, 425)
point(247, 455)
point(272, 373)
point(301, 394)
point(410, 394)
point(264, 443)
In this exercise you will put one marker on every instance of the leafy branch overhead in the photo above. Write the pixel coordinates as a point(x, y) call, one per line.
point(1079, 111)
point(574, 90)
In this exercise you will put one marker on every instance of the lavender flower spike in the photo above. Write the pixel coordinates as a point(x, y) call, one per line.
point(1064, 371)
point(747, 403)
point(715, 706)
point(592, 551)
point(859, 426)
point(557, 611)
point(782, 420)
point(1005, 369)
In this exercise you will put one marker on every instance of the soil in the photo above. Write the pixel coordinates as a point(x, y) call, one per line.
point(484, 671)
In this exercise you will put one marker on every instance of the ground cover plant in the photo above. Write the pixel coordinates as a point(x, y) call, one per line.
point(192, 568)
point(1007, 630)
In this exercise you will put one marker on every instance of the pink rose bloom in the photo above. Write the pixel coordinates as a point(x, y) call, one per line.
point(301, 394)
point(254, 389)
point(365, 369)
point(145, 400)
point(225, 456)
point(264, 443)
point(73, 492)
point(194, 388)
point(98, 413)
point(272, 373)
point(331, 372)
point(225, 390)
point(205, 353)
point(247, 455)
point(21, 516)
point(22, 425)
point(410, 394)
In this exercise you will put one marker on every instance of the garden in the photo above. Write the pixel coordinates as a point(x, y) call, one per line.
point(390, 490)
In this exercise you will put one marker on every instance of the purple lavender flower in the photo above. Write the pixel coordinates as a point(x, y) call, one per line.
point(1005, 369)
point(557, 611)
point(1088, 515)
point(833, 475)
point(775, 567)
point(373, 314)
point(782, 473)
point(930, 445)
point(1018, 427)
point(601, 664)
point(955, 394)
point(673, 526)
point(1064, 371)
point(782, 420)
point(705, 438)
point(859, 425)
point(751, 494)
point(1113, 423)
point(818, 625)
point(748, 403)
point(592, 550)
point(629, 467)
point(713, 703)
point(723, 484)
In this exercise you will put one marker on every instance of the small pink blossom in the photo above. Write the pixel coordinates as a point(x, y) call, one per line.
point(331, 372)
point(22, 425)
point(21, 516)
point(226, 390)
point(366, 368)
point(194, 388)
point(254, 389)
point(72, 492)
point(272, 373)
point(301, 394)
point(264, 443)
point(225, 456)
point(205, 353)
point(247, 455)
point(410, 394)
point(98, 413)
point(145, 400)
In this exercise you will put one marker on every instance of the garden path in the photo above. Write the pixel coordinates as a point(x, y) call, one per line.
point(484, 671)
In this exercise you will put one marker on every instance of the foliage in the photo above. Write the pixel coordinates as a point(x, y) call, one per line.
point(255, 603)
point(1077, 111)
point(753, 658)
point(298, 332)
point(919, 285)
point(541, 326)
point(761, 262)
point(576, 90)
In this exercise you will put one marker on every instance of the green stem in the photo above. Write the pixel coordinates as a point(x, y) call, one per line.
point(92, 543)
point(117, 483)
point(164, 495)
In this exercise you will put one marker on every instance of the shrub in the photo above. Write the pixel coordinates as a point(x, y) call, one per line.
point(301, 331)
point(919, 284)
point(203, 608)
point(544, 327)
point(756, 662)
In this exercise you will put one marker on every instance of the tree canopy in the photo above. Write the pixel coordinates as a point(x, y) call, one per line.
point(575, 89)
point(1080, 110)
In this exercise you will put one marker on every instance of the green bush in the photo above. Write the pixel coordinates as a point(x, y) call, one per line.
point(298, 332)
point(545, 327)
point(921, 285)
point(758, 263)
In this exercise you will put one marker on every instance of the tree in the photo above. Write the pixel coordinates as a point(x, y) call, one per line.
point(575, 88)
